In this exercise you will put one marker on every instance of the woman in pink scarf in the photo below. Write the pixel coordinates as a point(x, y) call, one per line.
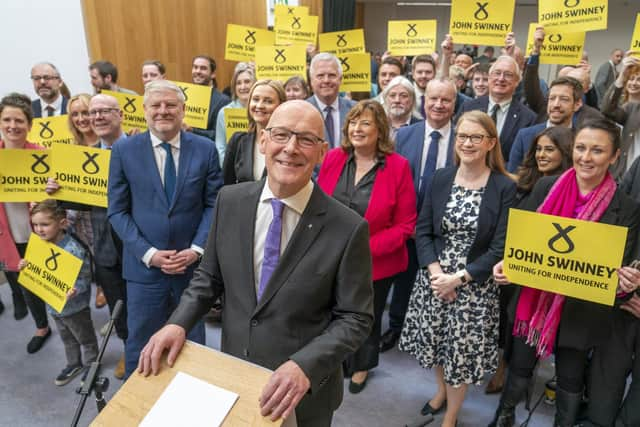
point(548, 323)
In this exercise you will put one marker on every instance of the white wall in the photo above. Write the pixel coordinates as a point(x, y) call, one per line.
point(43, 30)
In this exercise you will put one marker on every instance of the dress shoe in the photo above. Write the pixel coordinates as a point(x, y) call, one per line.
point(119, 371)
point(428, 409)
point(388, 340)
point(101, 300)
point(355, 387)
point(37, 342)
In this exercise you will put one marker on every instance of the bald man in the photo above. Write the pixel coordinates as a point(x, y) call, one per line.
point(46, 83)
point(294, 266)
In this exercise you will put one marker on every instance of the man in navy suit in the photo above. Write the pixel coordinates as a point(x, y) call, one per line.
point(162, 190)
point(326, 75)
point(46, 82)
point(509, 114)
point(416, 144)
point(565, 99)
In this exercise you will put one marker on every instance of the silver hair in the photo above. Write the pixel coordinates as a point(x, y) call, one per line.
point(510, 59)
point(162, 86)
point(325, 57)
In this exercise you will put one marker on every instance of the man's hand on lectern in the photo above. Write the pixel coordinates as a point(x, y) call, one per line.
point(283, 392)
point(171, 337)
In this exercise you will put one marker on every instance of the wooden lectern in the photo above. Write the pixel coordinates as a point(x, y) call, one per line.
point(136, 397)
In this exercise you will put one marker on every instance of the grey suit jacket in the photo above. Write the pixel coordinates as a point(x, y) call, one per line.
point(628, 116)
point(604, 78)
point(317, 306)
point(344, 105)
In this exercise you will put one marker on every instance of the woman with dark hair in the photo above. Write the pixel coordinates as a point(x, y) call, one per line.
point(366, 175)
point(15, 227)
point(243, 161)
point(296, 87)
point(547, 323)
point(452, 319)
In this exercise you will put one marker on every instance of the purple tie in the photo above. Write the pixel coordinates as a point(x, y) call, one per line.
point(422, 110)
point(271, 246)
point(329, 126)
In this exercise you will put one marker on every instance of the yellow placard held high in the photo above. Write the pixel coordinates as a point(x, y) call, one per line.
point(283, 9)
point(242, 42)
point(82, 173)
point(280, 62)
point(411, 37)
point(573, 15)
point(484, 22)
point(558, 47)
point(342, 42)
point(47, 130)
point(564, 255)
point(635, 38)
point(356, 72)
point(132, 110)
point(197, 100)
point(235, 120)
point(292, 29)
point(24, 174)
point(51, 272)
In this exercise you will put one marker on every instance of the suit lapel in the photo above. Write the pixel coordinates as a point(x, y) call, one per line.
point(149, 166)
point(419, 147)
point(186, 151)
point(441, 196)
point(310, 225)
point(247, 216)
point(510, 120)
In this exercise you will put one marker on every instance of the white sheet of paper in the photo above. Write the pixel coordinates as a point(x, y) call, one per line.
point(189, 401)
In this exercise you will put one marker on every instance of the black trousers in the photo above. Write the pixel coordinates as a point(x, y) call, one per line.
point(402, 287)
point(570, 364)
point(114, 288)
point(36, 306)
point(505, 337)
point(612, 362)
point(366, 357)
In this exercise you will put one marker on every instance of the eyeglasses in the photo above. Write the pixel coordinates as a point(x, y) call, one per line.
point(45, 78)
point(102, 111)
point(508, 75)
point(283, 135)
point(477, 138)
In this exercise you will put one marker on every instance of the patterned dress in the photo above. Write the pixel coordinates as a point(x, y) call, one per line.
point(461, 336)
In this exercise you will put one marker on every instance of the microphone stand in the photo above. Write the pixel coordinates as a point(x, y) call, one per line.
point(92, 382)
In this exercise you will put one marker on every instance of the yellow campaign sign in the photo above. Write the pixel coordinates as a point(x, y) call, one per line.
point(557, 254)
point(197, 99)
point(280, 62)
point(635, 39)
point(356, 72)
point(47, 130)
point(51, 272)
point(235, 120)
point(558, 47)
point(242, 42)
point(342, 42)
point(411, 37)
point(484, 22)
point(132, 110)
point(82, 173)
point(283, 9)
point(24, 174)
point(573, 15)
point(292, 29)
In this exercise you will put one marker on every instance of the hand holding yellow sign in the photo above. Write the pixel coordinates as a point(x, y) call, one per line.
point(51, 272)
point(132, 110)
point(47, 130)
point(82, 173)
point(280, 62)
point(555, 254)
point(198, 98)
point(411, 37)
point(292, 29)
point(356, 72)
point(242, 42)
point(558, 47)
point(342, 42)
point(235, 120)
point(481, 22)
point(573, 15)
point(24, 174)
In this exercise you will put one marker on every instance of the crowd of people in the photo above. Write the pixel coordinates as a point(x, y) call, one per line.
point(300, 227)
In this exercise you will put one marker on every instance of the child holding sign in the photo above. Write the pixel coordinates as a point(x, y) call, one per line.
point(74, 321)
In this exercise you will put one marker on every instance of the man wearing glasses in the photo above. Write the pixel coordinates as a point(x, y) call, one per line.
point(46, 83)
point(509, 115)
point(294, 266)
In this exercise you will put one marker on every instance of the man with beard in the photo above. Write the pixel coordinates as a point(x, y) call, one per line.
point(423, 70)
point(104, 76)
point(46, 83)
point(203, 72)
point(399, 103)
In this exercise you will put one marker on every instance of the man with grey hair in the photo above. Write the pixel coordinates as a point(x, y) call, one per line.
point(508, 114)
point(400, 103)
point(46, 83)
point(326, 76)
point(163, 185)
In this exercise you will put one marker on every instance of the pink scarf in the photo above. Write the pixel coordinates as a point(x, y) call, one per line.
point(538, 313)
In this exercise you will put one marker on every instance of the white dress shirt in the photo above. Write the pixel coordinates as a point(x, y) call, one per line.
point(335, 113)
point(57, 107)
point(443, 145)
point(502, 112)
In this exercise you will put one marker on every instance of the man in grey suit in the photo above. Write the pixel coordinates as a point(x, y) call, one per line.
point(326, 76)
point(294, 266)
point(607, 72)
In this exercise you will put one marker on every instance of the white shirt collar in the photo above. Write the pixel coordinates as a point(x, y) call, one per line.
point(444, 131)
point(504, 105)
point(334, 104)
point(298, 202)
point(57, 104)
point(175, 141)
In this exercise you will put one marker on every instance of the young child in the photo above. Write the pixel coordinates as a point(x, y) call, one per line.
point(74, 322)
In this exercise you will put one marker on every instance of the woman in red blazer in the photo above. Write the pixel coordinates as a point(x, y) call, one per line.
point(367, 176)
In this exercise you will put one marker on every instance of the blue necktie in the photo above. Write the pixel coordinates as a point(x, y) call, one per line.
point(423, 113)
point(169, 173)
point(429, 164)
point(271, 246)
point(328, 124)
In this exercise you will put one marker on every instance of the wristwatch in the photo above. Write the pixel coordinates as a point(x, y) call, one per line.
point(462, 277)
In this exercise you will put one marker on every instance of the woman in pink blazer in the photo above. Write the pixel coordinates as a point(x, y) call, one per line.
point(367, 176)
